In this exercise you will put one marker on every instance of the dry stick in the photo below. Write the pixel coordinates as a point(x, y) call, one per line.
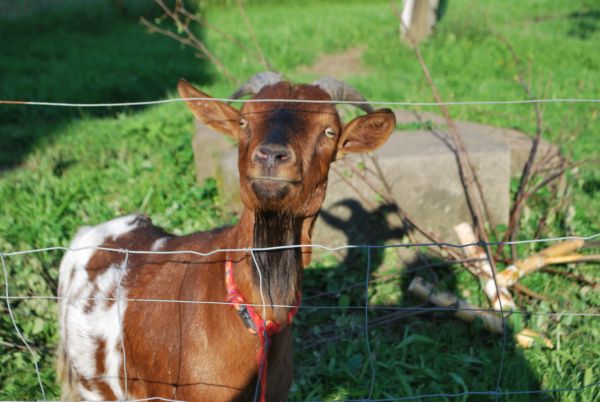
point(498, 295)
point(576, 277)
point(384, 320)
point(383, 279)
point(191, 39)
point(402, 214)
point(520, 268)
point(465, 167)
point(566, 259)
point(520, 196)
point(368, 203)
point(528, 292)
point(353, 187)
point(221, 32)
point(468, 312)
point(259, 50)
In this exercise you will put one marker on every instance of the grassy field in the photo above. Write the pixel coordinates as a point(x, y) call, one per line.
point(61, 168)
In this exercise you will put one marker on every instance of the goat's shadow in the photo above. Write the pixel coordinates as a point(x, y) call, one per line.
point(415, 351)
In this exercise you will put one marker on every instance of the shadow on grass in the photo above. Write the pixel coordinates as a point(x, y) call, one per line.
point(81, 52)
point(415, 352)
point(585, 23)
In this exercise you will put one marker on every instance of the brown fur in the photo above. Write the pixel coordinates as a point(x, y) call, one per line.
point(203, 352)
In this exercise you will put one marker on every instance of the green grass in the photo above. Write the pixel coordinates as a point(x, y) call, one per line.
point(62, 168)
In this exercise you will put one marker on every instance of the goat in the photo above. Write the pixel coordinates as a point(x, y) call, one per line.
point(199, 351)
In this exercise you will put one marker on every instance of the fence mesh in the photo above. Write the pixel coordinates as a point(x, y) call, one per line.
point(496, 393)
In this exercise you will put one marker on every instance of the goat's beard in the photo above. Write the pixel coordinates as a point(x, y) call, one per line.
point(281, 269)
point(274, 192)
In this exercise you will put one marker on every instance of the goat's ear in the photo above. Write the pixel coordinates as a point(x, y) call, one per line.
point(366, 133)
point(215, 114)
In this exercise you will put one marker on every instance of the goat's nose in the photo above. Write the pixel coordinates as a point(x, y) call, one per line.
point(274, 154)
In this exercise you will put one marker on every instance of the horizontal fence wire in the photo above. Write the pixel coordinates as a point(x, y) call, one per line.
point(366, 307)
point(233, 100)
point(497, 393)
point(313, 246)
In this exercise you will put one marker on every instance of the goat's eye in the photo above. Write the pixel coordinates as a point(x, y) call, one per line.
point(329, 132)
point(243, 123)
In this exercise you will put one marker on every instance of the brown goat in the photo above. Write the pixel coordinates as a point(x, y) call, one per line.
point(183, 350)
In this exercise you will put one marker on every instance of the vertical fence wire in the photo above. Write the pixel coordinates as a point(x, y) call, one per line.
point(497, 393)
point(264, 317)
point(16, 327)
point(121, 324)
point(368, 343)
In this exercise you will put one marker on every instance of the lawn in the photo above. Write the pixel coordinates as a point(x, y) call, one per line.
point(61, 168)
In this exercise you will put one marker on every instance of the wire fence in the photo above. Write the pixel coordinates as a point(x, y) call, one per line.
point(268, 100)
point(497, 393)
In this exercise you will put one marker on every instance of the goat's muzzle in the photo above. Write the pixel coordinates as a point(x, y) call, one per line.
point(274, 171)
point(272, 155)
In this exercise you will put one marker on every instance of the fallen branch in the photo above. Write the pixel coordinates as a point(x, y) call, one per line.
point(468, 312)
point(567, 259)
point(498, 295)
point(553, 254)
point(464, 310)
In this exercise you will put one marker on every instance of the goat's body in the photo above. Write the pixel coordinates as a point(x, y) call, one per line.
point(173, 349)
point(137, 325)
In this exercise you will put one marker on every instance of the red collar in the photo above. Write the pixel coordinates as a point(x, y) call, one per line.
point(264, 329)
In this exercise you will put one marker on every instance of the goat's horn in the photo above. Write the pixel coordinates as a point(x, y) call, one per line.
point(341, 91)
point(256, 83)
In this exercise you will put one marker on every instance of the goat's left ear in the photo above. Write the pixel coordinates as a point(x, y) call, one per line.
point(367, 133)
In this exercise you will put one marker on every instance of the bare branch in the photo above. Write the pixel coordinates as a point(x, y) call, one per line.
point(259, 50)
point(190, 39)
point(521, 195)
point(465, 167)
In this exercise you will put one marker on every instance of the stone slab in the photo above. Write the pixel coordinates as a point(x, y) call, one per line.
point(519, 143)
point(422, 171)
point(420, 167)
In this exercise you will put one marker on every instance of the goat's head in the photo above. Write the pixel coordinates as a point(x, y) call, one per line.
point(286, 147)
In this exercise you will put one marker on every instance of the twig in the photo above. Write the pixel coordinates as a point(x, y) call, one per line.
point(464, 310)
point(384, 320)
point(566, 259)
point(385, 278)
point(465, 167)
point(521, 195)
point(498, 295)
point(528, 292)
point(353, 187)
point(520, 268)
point(259, 50)
point(190, 39)
point(576, 277)
point(224, 34)
point(467, 312)
point(409, 222)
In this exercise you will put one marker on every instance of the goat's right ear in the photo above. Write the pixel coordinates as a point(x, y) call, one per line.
point(215, 114)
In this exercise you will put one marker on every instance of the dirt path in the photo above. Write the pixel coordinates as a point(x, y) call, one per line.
point(338, 65)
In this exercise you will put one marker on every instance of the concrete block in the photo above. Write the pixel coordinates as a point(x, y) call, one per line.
point(208, 147)
point(422, 171)
point(420, 166)
point(518, 142)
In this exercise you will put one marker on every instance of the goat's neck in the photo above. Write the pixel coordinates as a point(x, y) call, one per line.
point(281, 270)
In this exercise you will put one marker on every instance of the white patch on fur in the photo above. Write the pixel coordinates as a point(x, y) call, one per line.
point(158, 244)
point(87, 395)
point(82, 331)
